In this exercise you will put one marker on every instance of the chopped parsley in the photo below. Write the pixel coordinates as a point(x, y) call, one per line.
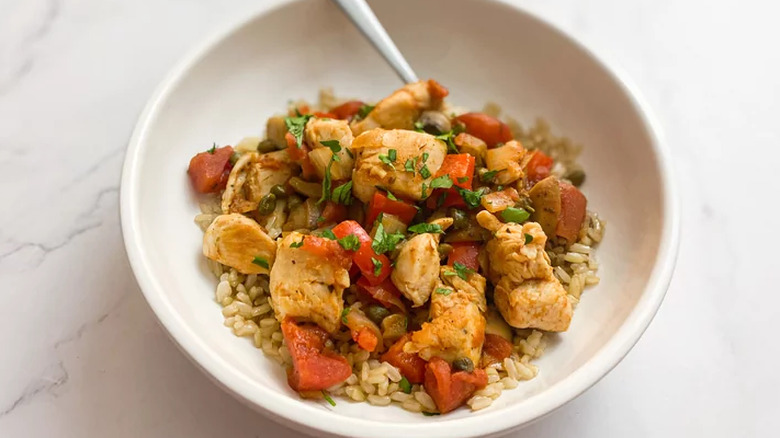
point(328, 234)
point(410, 165)
point(528, 238)
point(425, 172)
point(344, 314)
point(424, 190)
point(349, 152)
point(442, 197)
point(234, 158)
point(384, 242)
point(377, 266)
point(296, 244)
point(259, 261)
point(391, 196)
point(488, 176)
point(463, 179)
point(460, 270)
point(448, 138)
point(442, 182)
point(418, 126)
point(328, 398)
point(389, 159)
point(343, 193)
point(364, 110)
point(405, 386)
point(334, 146)
point(425, 156)
point(516, 215)
point(425, 228)
point(443, 291)
point(296, 125)
point(350, 242)
point(326, 182)
point(212, 149)
point(472, 197)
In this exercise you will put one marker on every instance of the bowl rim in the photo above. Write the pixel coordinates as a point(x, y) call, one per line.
point(303, 416)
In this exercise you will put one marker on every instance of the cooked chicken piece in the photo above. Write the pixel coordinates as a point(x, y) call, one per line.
point(319, 130)
point(371, 171)
point(507, 159)
point(307, 286)
point(539, 303)
point(457, 325)
point(239, 242)
point(526, 292)
point(402, 108)
point(468, 144)
point(252, 177)
point(417, 265)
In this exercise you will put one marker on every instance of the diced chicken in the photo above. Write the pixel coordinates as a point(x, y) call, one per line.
point(416, 271)
point(307, 286)
point(468, 144)
point(252, 177)
point(457, 326)
point(239, 242)
point(371, 170)
point(538, 303)
point(526, 292)
point(402, 108)
point(324, 130)
point(506, 159)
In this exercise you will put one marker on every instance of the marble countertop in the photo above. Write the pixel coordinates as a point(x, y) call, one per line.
point(83, 355)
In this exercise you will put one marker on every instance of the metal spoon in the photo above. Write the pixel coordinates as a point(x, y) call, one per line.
point(364, 19)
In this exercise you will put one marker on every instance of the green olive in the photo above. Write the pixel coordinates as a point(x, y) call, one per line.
point(279, 191)
point(266, 145)
point(377, 313)
point(267, 204)
point(576, 176)
point(463, 364)
point(460, 219)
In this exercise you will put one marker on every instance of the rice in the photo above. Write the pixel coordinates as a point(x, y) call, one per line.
point(248, 311)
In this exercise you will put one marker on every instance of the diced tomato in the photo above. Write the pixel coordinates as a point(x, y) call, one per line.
point(538, 167)
point(334, 212)
point(364, 255)
point(411, 365)
point(327, 249)
point(460, 168)
point(366, 339)
point(300, 155)
point(302, 109)
point(322, 115)
point(495, 349)
point(437, 90)
point(451, 199)
point(450, 390)
point(209, 171)
point(347, 110)
point(385, 293)
point(466, 253)
point(380, 203)
point(491, 130)
point(315, 367)
point(572, 215)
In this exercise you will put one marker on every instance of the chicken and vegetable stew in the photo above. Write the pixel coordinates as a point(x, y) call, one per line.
point(406, 252)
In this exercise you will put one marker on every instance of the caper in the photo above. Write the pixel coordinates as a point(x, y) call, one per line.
point(435, 122)
point(377, 313)
point(267, 204)
point(444, 249)
point(279, 191)
point(463, 364)
point(460, 219)
point(576, 176)
point(266, 145)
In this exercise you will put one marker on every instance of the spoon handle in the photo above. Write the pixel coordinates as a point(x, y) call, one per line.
point(364, 19)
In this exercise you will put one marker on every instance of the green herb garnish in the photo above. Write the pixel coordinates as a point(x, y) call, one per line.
point(516, 215)
point(328, 399)
point(463, 179)
point(296, 244)
point(212, 149)
point(425, 156)
point(377, 266)
point(488, 176)
point(443, 291)
point(364, 110)
point(384, 242)
point(328, 234)
point(259, 261)
point(418, 126)
point(389, 159)
point(442, 182)
point(404, 385)
point(425, 228)
point(449, 136)
point(234, 157)
point(472, 198)
point(423, 192)
point(528, 238)
point(425, 172)
point(349, 152)
point(344, 314)
point(343, 193)
point(442, 197)
point(460, 270)
point(410, 165)
point(350, 242)
point(296, 125)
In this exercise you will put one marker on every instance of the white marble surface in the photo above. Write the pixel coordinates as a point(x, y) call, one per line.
point(83, 356)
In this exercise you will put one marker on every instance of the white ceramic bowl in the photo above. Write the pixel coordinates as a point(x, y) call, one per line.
point(482, 51)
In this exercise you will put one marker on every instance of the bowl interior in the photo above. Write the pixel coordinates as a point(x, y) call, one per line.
point(482, 51)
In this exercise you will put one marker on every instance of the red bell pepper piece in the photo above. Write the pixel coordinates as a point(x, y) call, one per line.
point(491, 130)
point(380, 203)
point(385, 293)
point(347, 110)
point(538, 167)
point(327, 249)
point(315, 367)
point(364, 255)
point(572, 215)
point(411, 365)
point(209, 171)
point(460, 168)
point(466, 253)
